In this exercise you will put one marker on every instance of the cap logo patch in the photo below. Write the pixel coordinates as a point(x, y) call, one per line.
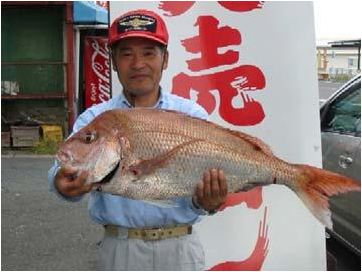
point(137, 22)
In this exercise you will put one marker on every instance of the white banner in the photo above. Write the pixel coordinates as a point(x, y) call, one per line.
point(252, 66)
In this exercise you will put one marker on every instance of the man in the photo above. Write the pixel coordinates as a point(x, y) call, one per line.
point(140, 236)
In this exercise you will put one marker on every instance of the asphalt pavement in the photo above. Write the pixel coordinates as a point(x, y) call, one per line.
point(327, 88)
point(40, 231)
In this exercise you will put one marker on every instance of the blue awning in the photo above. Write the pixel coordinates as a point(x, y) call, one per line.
point(89, 12)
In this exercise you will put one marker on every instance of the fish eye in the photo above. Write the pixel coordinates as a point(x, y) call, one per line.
point(89, 137)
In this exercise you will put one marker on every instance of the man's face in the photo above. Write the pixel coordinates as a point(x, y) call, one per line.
point(139, 63)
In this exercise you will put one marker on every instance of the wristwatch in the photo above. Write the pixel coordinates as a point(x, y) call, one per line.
point(212, 212)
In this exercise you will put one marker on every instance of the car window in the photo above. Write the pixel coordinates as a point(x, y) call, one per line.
point(344, 114)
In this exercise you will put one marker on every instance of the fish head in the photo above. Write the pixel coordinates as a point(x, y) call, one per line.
point(96, 148)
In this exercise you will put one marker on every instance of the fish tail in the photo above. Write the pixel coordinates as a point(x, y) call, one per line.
point(315, 186)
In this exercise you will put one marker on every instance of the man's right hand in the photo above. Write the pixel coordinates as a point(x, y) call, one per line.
point(69, 185)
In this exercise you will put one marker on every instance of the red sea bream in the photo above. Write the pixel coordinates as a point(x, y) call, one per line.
point(153, 155)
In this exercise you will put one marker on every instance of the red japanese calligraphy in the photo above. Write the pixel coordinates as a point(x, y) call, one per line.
point(257, 257)
point(176, 8)
point(253, 199)
point(242, 6)
point(230, 84)
point(206, 44)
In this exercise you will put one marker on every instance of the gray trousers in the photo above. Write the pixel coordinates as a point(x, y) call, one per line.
point(182, 253)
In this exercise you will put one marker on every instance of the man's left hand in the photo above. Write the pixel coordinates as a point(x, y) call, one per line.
point(212, 192)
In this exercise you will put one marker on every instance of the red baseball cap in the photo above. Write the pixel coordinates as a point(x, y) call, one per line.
point(139, 23)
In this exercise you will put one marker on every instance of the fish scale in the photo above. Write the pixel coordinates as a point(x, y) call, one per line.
point(150, 155)
point(186, 126)
point(185, 170)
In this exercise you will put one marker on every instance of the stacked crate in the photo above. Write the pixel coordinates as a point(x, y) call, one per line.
point(27, 136)
point(24, 136)
point(52, 133)
point(5, 139)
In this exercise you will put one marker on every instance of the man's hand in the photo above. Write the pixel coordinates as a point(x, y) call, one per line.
point(69, 185)
point(212, 192)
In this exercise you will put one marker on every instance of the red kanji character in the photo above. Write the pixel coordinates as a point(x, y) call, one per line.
point(175, 8)
point(229, 83)
point(257, 257)
point(253, 199)
point(242, 6)
point(208, 45)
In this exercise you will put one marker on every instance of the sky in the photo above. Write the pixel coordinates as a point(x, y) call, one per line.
point(338, 19)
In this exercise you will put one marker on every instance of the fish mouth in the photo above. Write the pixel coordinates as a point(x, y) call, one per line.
point(110, 175)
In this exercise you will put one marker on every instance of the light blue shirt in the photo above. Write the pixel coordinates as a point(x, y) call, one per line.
point(116, 210)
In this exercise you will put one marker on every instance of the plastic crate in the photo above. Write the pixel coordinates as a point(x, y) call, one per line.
point(24, 136)
point(5, 139)
point(52, 133)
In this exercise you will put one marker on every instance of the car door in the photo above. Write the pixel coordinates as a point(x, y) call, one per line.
point(341, 150)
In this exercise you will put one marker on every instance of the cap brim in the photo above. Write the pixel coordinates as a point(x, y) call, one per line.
point(140, 35)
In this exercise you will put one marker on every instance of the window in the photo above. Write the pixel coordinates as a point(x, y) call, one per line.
point(344, 114)
point(352, 62)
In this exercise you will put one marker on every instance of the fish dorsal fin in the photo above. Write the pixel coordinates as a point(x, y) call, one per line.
point(257, 143)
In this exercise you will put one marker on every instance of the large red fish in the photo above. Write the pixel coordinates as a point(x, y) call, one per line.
point(152, 155)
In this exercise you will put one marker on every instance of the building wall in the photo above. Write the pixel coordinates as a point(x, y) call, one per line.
point(342, 61)
point(33, 55)
point(337, 61)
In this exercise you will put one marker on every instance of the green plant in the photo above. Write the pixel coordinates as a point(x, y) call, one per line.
point(46, 147)
point(340, 78)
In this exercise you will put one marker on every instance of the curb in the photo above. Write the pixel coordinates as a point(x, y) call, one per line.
point(27, 156)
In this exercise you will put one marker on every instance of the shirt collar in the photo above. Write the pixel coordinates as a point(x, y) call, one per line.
point(157, 105)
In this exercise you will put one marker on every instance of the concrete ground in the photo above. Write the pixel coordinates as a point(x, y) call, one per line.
point(40, 231)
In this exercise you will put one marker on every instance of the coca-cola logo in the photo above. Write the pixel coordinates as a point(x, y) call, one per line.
point(97, 70)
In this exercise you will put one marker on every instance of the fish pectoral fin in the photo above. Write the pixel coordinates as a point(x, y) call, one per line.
point(148, 166)
point(162, 203)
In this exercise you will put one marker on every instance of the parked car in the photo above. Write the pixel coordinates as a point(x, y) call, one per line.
point(341, 150)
